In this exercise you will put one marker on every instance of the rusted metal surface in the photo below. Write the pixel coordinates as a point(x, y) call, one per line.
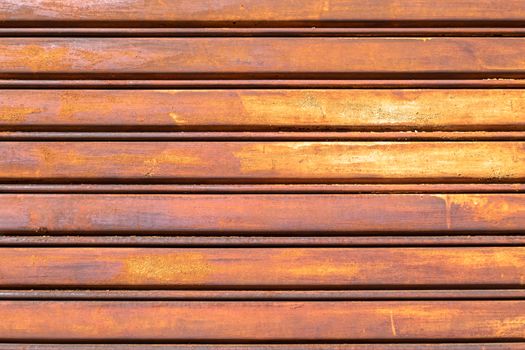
point(264, 110)
point(262, 174)
point(222, 11)
point(264, 162)
point(313, 214)
point(261, 267)
point(262, 57)
point(260, 321)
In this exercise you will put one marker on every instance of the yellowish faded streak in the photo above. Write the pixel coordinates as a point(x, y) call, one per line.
point(393, 324)
point(384, 159)
point(178, 119)
point(299, 264)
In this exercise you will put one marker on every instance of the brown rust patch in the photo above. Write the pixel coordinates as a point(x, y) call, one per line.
point(172, 268)
point(88, 107)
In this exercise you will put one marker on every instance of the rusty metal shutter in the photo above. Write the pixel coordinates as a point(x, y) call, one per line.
point(233, 174)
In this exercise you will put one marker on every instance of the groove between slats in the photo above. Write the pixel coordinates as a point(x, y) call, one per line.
point(264, 295)
point(150, 240)
point(260, 135)
point(262, 32)
point(104, 84)
point(317, 346)
point(271, 213)
point(265, 188)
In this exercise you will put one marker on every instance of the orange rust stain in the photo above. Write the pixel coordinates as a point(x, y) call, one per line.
point(39, 260)
point(16, 114)
point(484, 208)
point(298, 263)
point(320, 269)
point(175, 268)
point(170, 157)
point(74, 104)
point(94, 57)
point(508, 326)
point(40, 57)
point(289, 108)
point(56, 158)
point(478, 258)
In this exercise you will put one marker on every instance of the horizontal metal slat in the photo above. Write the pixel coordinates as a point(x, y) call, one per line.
point(263, 162)
point(202, 12)
point(261, 267)
point(271, 213)
point(267, 58)
point(262, 321)
point(263, 110)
